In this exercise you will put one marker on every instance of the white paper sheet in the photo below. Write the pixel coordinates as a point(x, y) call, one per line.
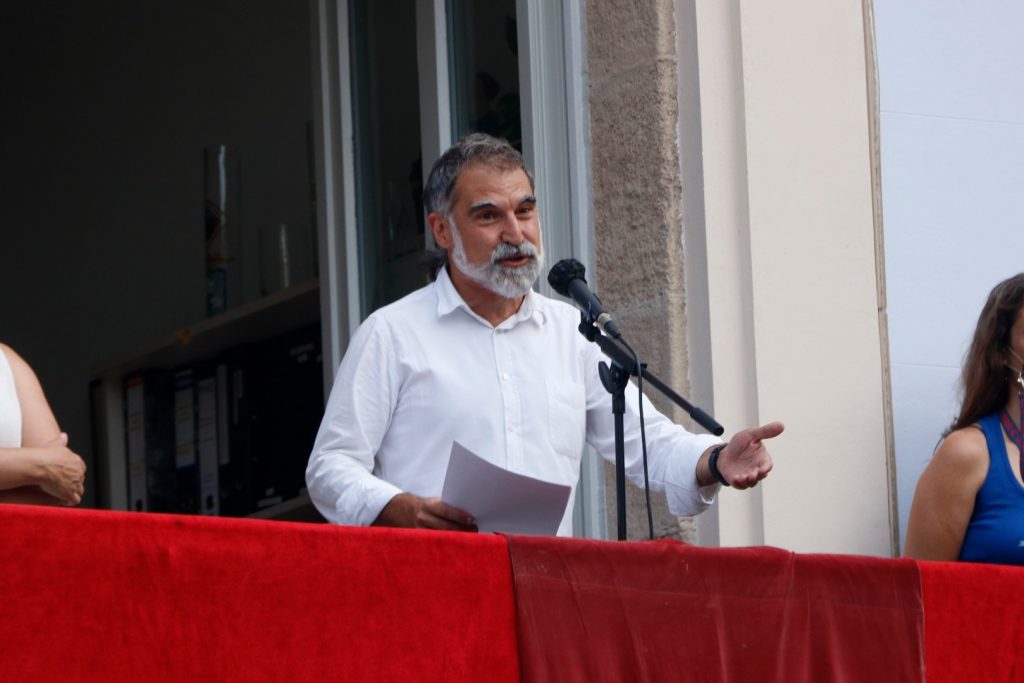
point(500, 500)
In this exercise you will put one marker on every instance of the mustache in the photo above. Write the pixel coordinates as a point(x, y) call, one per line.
point(506, 250)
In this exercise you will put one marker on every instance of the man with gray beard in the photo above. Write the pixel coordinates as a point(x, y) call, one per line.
point(479, 358)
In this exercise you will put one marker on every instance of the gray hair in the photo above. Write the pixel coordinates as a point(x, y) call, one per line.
point(438, 192)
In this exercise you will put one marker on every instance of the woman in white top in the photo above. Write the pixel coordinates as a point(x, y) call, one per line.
point(36, 465)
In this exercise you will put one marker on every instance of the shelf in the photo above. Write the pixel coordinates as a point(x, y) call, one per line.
point(298, 509)
point(274, 314)
point(257, 321)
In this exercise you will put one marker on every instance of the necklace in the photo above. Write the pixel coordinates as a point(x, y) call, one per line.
point(1013, 431)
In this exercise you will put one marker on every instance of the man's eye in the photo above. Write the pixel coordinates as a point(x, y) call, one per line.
point(525, 210)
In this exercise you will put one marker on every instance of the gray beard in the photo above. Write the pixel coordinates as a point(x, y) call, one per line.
point(507, 282)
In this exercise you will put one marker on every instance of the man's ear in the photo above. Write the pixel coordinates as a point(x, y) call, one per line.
point(440, 229)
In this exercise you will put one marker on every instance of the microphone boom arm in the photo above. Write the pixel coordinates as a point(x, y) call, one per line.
point(625, 360)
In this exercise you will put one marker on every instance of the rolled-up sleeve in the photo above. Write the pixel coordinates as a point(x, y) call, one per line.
point(340, 472)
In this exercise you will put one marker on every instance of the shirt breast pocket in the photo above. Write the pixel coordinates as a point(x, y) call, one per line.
point(567, 417)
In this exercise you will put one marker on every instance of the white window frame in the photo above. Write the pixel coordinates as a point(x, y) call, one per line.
point(553, 84)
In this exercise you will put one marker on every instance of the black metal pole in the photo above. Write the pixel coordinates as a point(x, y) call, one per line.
point(615, 379)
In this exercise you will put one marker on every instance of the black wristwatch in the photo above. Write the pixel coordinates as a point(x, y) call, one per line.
point(713, 464)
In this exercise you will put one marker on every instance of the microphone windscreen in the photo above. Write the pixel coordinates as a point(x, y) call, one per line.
point(564, 272)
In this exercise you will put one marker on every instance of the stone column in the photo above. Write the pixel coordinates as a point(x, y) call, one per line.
point(637, 204)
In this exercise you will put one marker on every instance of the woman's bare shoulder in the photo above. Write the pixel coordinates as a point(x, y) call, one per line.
point(14, 361)
point(964, 451)
point(24, 376)
point(17, 363)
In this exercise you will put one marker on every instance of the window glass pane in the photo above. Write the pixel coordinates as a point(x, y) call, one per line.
point(484, 58)
point(387, 149)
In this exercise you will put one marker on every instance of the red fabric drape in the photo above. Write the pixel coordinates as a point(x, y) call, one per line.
point(663, 611)
point(106, 596)
point(974, 622)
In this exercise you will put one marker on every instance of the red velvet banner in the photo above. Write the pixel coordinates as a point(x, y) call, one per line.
point(974, 622)
point(663, 611)
point(106, 596)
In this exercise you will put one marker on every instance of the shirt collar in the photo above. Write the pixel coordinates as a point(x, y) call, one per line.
point(449, 300)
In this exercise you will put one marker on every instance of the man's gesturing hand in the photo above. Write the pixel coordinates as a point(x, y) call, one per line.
point(745, 461)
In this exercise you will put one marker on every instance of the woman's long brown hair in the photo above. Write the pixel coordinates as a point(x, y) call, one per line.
point(985, 373)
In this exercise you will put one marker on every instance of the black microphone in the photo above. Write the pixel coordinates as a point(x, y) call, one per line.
point(566, 278)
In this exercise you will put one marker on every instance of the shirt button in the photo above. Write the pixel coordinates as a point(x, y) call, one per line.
point(504, 376)
point(511, 429)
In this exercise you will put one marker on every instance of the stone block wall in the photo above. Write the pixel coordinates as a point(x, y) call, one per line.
point(637, 199)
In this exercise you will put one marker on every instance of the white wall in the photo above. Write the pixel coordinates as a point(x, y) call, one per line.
point(108, 106)
point(791, 269)
point(952, 131)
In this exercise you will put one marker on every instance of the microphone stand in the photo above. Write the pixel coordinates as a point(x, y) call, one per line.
point(615, 378)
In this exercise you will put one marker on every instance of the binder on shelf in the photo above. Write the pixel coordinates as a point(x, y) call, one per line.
point(208, 440)
point(149, 434)
point(186, 463)
point(303, 408)
point(135, 440)
point(224, 462)
point(101, 468)
point(237, 368)
point(262, 428)
point(286, 407)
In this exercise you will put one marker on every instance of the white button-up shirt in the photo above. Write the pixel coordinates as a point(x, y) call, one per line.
point(426, 371)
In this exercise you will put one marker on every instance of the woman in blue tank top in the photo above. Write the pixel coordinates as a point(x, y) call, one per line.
point(969, 503)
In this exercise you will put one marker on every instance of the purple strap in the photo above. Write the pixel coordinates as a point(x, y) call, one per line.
point(1014, 432)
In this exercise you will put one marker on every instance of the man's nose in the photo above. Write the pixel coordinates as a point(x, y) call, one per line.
point(511, 231)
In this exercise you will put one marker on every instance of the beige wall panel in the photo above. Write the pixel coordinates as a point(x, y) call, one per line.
point(818, 355)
